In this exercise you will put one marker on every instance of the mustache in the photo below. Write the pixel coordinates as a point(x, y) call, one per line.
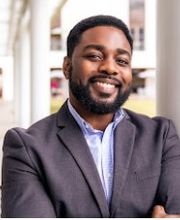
point(111, 78)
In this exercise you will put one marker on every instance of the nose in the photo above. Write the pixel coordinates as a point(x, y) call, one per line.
point(108, 66)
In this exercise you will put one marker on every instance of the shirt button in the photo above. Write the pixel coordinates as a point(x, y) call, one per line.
point(109, 175)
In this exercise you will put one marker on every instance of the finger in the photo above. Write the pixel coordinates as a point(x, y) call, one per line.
point(158, 212)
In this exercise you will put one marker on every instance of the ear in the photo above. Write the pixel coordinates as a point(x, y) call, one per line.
point(67, 67)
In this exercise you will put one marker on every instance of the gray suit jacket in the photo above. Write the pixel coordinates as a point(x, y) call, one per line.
point(48, 170)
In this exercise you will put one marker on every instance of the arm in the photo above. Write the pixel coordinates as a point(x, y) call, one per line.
point(23, 194)
point(168, 194)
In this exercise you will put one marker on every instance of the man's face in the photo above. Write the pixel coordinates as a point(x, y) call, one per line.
point(100, 70)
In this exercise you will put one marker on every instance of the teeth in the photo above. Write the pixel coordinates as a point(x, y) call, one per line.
point(107, 85)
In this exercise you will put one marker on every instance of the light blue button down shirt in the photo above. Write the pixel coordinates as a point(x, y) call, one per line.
point(101, 145)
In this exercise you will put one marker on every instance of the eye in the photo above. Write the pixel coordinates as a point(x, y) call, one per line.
point(122, 62)
point(94, 57)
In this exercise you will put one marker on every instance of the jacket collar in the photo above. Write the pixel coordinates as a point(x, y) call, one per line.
point(124, 142)
point(80, 151)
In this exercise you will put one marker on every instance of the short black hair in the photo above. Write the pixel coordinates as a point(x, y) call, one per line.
point(100, 20)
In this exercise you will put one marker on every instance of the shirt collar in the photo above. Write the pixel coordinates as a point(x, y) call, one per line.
point(86, 127)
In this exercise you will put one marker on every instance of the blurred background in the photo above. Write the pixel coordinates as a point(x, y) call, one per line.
point(33, 43)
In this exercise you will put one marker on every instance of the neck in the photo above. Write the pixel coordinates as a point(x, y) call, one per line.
point(97, 121)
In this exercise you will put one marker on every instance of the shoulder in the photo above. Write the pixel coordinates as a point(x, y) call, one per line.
point(137, 117)
point(42, 134)
point(157, 123)
point(38, 130)
point(38, 142)
point(42, 128)
point(153, 133)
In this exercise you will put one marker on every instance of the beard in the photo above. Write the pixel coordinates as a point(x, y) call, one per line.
point(83, 95)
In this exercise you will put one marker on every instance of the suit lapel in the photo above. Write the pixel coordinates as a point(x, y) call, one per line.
point(124, 142)
point(73, 139)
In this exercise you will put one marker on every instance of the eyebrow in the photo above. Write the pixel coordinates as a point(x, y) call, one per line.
point(122, 51)
point(101, 48)
point(94, 46)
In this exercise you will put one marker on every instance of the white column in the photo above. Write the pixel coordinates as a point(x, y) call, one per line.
point(7, 81)
point(24, 78)
point(40, 76)
point(16, 98)
point(150, 32)
point(168, 60)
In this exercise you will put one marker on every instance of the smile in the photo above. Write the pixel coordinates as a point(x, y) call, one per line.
point(105, 85)
point(107, 82)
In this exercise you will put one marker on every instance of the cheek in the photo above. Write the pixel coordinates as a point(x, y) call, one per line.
point(127, 77)
point(130, 78)
point(78, 75)
point(81, 71)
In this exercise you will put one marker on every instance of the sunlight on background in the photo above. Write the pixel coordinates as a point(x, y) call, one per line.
point(16, 78)
point(22, 38)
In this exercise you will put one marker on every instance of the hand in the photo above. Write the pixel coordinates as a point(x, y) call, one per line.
point(159, 212)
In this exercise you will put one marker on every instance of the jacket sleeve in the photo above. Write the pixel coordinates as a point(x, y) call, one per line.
point(169, 184)
point(23, 193)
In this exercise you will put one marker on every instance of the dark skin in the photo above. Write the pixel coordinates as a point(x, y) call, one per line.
point(102, 49)
point(159, 212)
point(110, 53)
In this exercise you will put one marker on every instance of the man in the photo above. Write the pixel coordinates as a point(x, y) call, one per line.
point(92, 158)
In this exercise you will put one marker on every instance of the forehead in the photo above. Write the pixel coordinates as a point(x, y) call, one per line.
point(107, 36)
